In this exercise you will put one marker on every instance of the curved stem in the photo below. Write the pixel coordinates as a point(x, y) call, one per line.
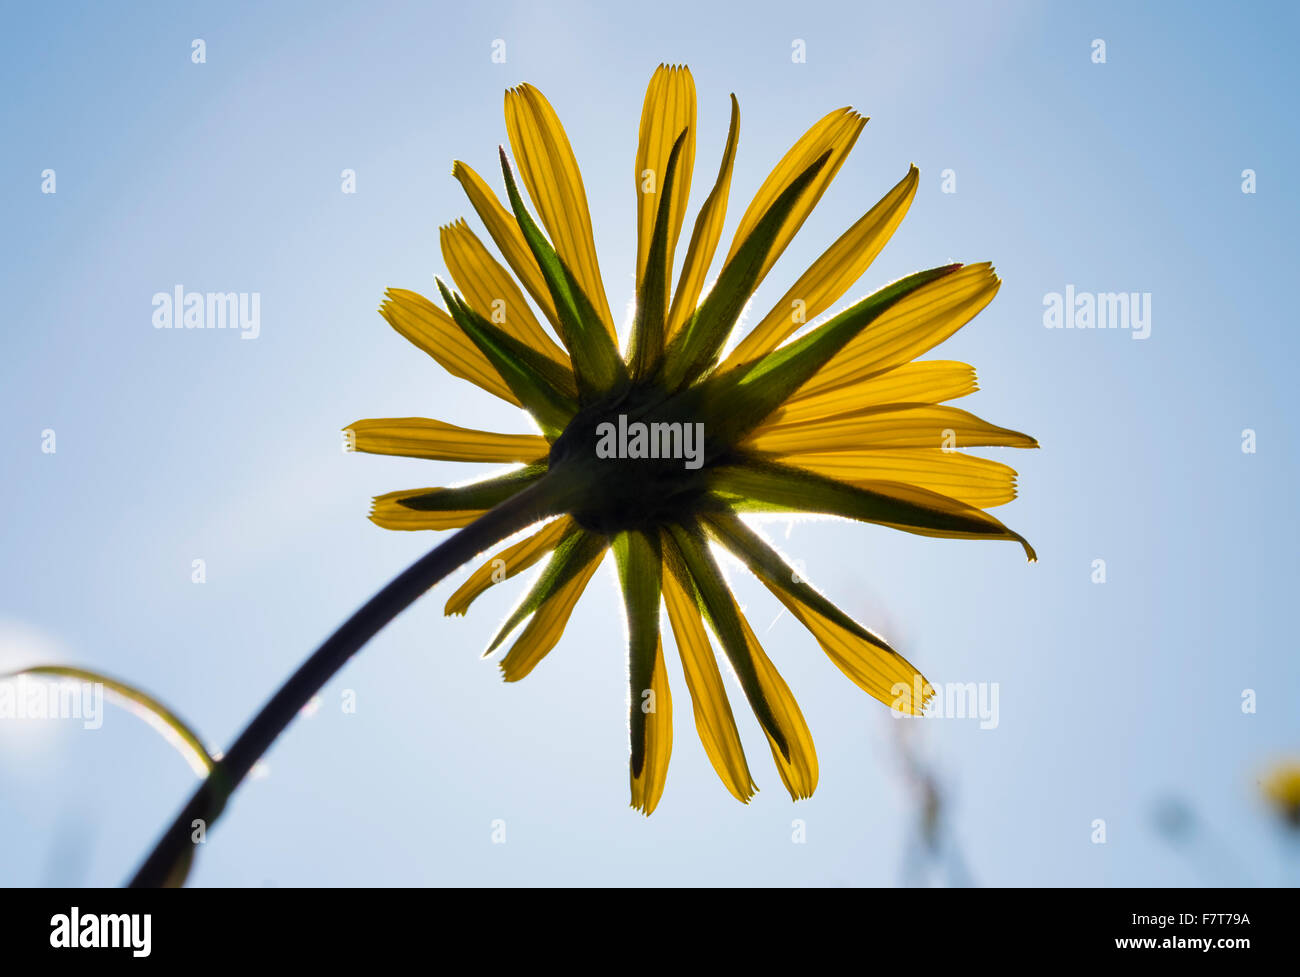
point(169, 861)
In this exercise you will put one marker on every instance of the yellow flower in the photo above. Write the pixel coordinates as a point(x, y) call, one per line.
point(1282, 789)
point(654, 450)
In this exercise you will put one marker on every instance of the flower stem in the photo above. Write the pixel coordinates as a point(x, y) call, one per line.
point(170, 859)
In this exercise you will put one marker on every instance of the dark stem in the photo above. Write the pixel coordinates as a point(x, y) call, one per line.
point(170, 859)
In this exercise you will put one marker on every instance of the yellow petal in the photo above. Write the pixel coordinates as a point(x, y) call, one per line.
point(509, 239)
point(868, 660)
point(877, 669)
point(648, 787)
point(510, 561)
point(669, 108)
point(435, 332)
point(890, 426)
point(492, 292)
point(835, 133)
point(799, 772)
point(422, 437)
point(550, 172)
point(976, 481)
point(386, 511)
point(714, 721)
point(919, 382)
point(936, 501)
point(706, 234)
point(830, 276)
point(882, 673)
point(546, 625)
point(909, 328)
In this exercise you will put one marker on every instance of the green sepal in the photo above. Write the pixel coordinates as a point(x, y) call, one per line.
point(640, 563)
point(597, 364)
point(696, 346)
point(559, 379)
point(476, 495)
point(573, 552)
point(766, 564)
point(646, 346)
point(698, 574)
point(723, 179)
point(756, 485)
point(741, 399)
point(545, 390)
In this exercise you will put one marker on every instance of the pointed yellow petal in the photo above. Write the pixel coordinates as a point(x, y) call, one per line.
point(509, 239)
point(706, 234)
point(669, 108)
point(510, 561)
point(890, 426)
point(938, 502)
point(911, 327)
point(976, 481)
point(550, 172)
point(799, 772)
point(648, 787)
point(862, 655)
point(835, 133)
point(387, 512)
point(877, 669)
point(830, 276)
point(435, 332)
point(422, 437)
point(919, 382)
point(714, 721)
point(492, 292)
point(546, 625)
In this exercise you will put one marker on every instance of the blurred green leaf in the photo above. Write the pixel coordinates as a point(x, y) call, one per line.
point(166, 722)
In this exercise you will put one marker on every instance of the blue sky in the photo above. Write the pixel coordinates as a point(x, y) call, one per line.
point(176, 445)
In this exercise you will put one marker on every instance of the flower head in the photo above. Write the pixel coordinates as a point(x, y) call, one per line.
point(1281, 788)
point(654, 450)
